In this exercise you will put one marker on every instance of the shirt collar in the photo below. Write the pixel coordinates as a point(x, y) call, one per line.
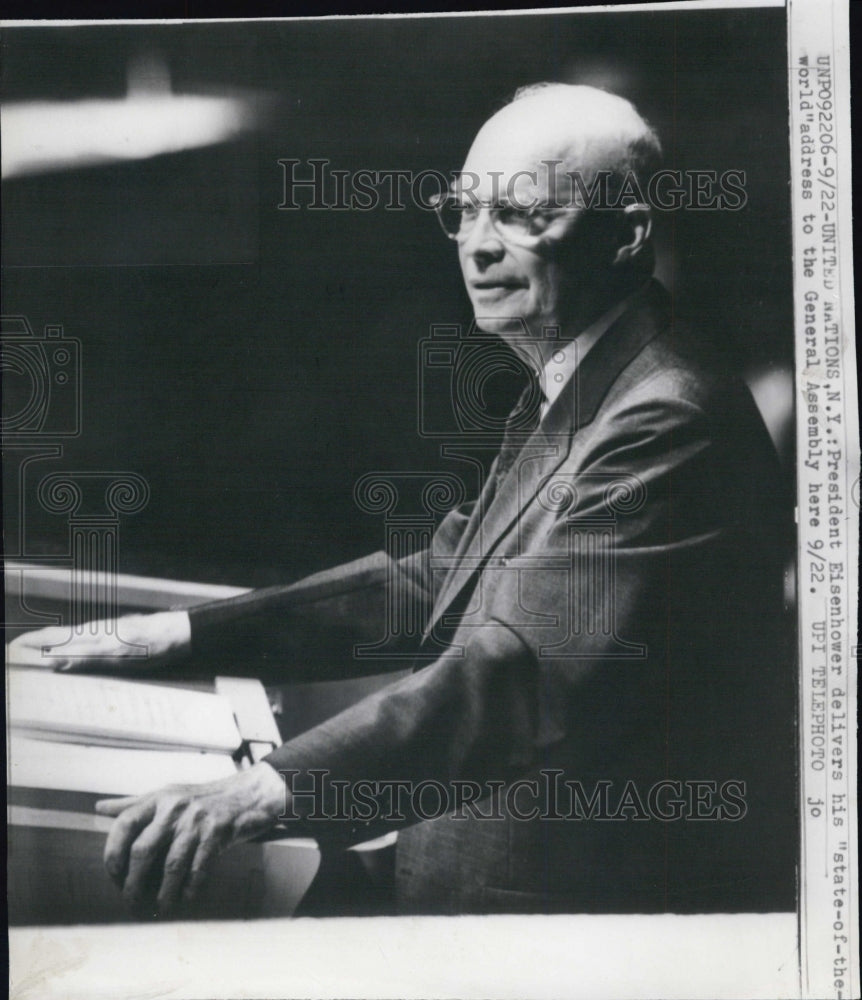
point(563, 363)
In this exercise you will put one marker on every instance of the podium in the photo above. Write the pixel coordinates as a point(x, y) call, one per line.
point(56, 840)
point(56, 873)
point(57, 876)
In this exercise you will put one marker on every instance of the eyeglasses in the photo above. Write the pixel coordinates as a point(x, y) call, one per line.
point(524, 227)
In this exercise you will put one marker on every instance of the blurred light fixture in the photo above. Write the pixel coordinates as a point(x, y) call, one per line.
point(47, 136)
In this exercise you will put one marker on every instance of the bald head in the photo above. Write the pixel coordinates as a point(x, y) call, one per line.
point(533, 248)
point(581, 129)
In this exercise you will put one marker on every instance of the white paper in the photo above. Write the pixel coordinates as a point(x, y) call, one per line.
point(107, 710)
point(107, 770)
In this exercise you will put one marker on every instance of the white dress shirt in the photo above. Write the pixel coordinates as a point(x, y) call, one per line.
point(563, 363)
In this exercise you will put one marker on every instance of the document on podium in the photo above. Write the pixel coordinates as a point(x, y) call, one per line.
point(103, 770)
point(109, 712)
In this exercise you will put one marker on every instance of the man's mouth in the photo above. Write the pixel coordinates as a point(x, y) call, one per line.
point(497, 284)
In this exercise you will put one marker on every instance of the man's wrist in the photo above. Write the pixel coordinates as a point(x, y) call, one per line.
point(174, 632)
point(271, 787)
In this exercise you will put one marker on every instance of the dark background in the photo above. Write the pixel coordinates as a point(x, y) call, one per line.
point(252, 363)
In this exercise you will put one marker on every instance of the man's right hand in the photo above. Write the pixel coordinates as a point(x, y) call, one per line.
point(127, 644)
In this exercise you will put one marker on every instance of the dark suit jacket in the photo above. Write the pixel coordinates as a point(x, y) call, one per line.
point(613, 616)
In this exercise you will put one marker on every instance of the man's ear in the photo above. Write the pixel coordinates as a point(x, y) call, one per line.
point(637, 226)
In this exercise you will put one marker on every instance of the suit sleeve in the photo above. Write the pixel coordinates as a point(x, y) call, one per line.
point(547, 650)
point(308, 630)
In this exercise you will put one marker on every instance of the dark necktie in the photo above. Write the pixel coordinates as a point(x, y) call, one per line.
point(520, 424)
point(522, 421)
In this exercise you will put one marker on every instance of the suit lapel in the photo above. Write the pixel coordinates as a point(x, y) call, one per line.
point(548, 447)
point(649, 313)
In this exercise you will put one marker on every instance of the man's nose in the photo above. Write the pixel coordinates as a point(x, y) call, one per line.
point(483, 243)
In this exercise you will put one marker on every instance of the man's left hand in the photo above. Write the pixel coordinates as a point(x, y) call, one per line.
point(169, 838)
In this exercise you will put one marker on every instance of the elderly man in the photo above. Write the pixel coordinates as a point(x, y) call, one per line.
point(601, 687)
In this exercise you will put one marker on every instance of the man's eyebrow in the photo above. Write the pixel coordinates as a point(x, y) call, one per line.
point(469, 198)
point(473, 198)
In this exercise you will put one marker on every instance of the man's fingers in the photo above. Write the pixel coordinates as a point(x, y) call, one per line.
point(207, 851)
point(34, 649)
point(132, 819)
point(51, 636)
point(113, 807)
point(97, 643)
point(178, 864)
point(130, 643)
point(146, 851)
point(161, 845)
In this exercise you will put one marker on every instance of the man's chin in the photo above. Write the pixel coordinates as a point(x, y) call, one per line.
point(502, 326)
